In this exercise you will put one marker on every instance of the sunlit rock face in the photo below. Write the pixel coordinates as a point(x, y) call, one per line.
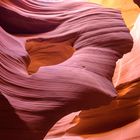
point(82, 43)
point(127, 8)
point(122, 113)
point(101, 123)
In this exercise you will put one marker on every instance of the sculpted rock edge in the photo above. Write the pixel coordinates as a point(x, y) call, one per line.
point(36, 102)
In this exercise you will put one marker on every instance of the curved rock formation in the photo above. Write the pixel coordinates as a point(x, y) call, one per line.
point(36, 102)
point(109, 122)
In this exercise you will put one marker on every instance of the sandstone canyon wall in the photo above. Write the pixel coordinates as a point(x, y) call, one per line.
point(60, 58)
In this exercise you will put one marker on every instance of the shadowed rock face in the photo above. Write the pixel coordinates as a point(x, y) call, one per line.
point(36, 102)
point(137, 2)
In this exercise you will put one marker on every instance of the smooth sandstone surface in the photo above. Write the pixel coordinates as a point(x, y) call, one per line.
point(127, 8)
point(36, 98)
point(118, 120)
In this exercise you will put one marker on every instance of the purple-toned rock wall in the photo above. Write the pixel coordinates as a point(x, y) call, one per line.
point(32, 103)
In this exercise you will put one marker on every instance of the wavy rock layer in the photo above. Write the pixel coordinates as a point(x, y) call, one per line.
point(127, 8)
point(101, 123)
point(36, 102)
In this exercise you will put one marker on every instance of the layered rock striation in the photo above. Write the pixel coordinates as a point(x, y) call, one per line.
point(31, 103)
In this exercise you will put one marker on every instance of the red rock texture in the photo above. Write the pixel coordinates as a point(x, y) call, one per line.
point(117, 120)
point(31, 103)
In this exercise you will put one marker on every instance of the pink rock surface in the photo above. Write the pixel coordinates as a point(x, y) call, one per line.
point(32, 104)
point(110, 121)
point(128, 68)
